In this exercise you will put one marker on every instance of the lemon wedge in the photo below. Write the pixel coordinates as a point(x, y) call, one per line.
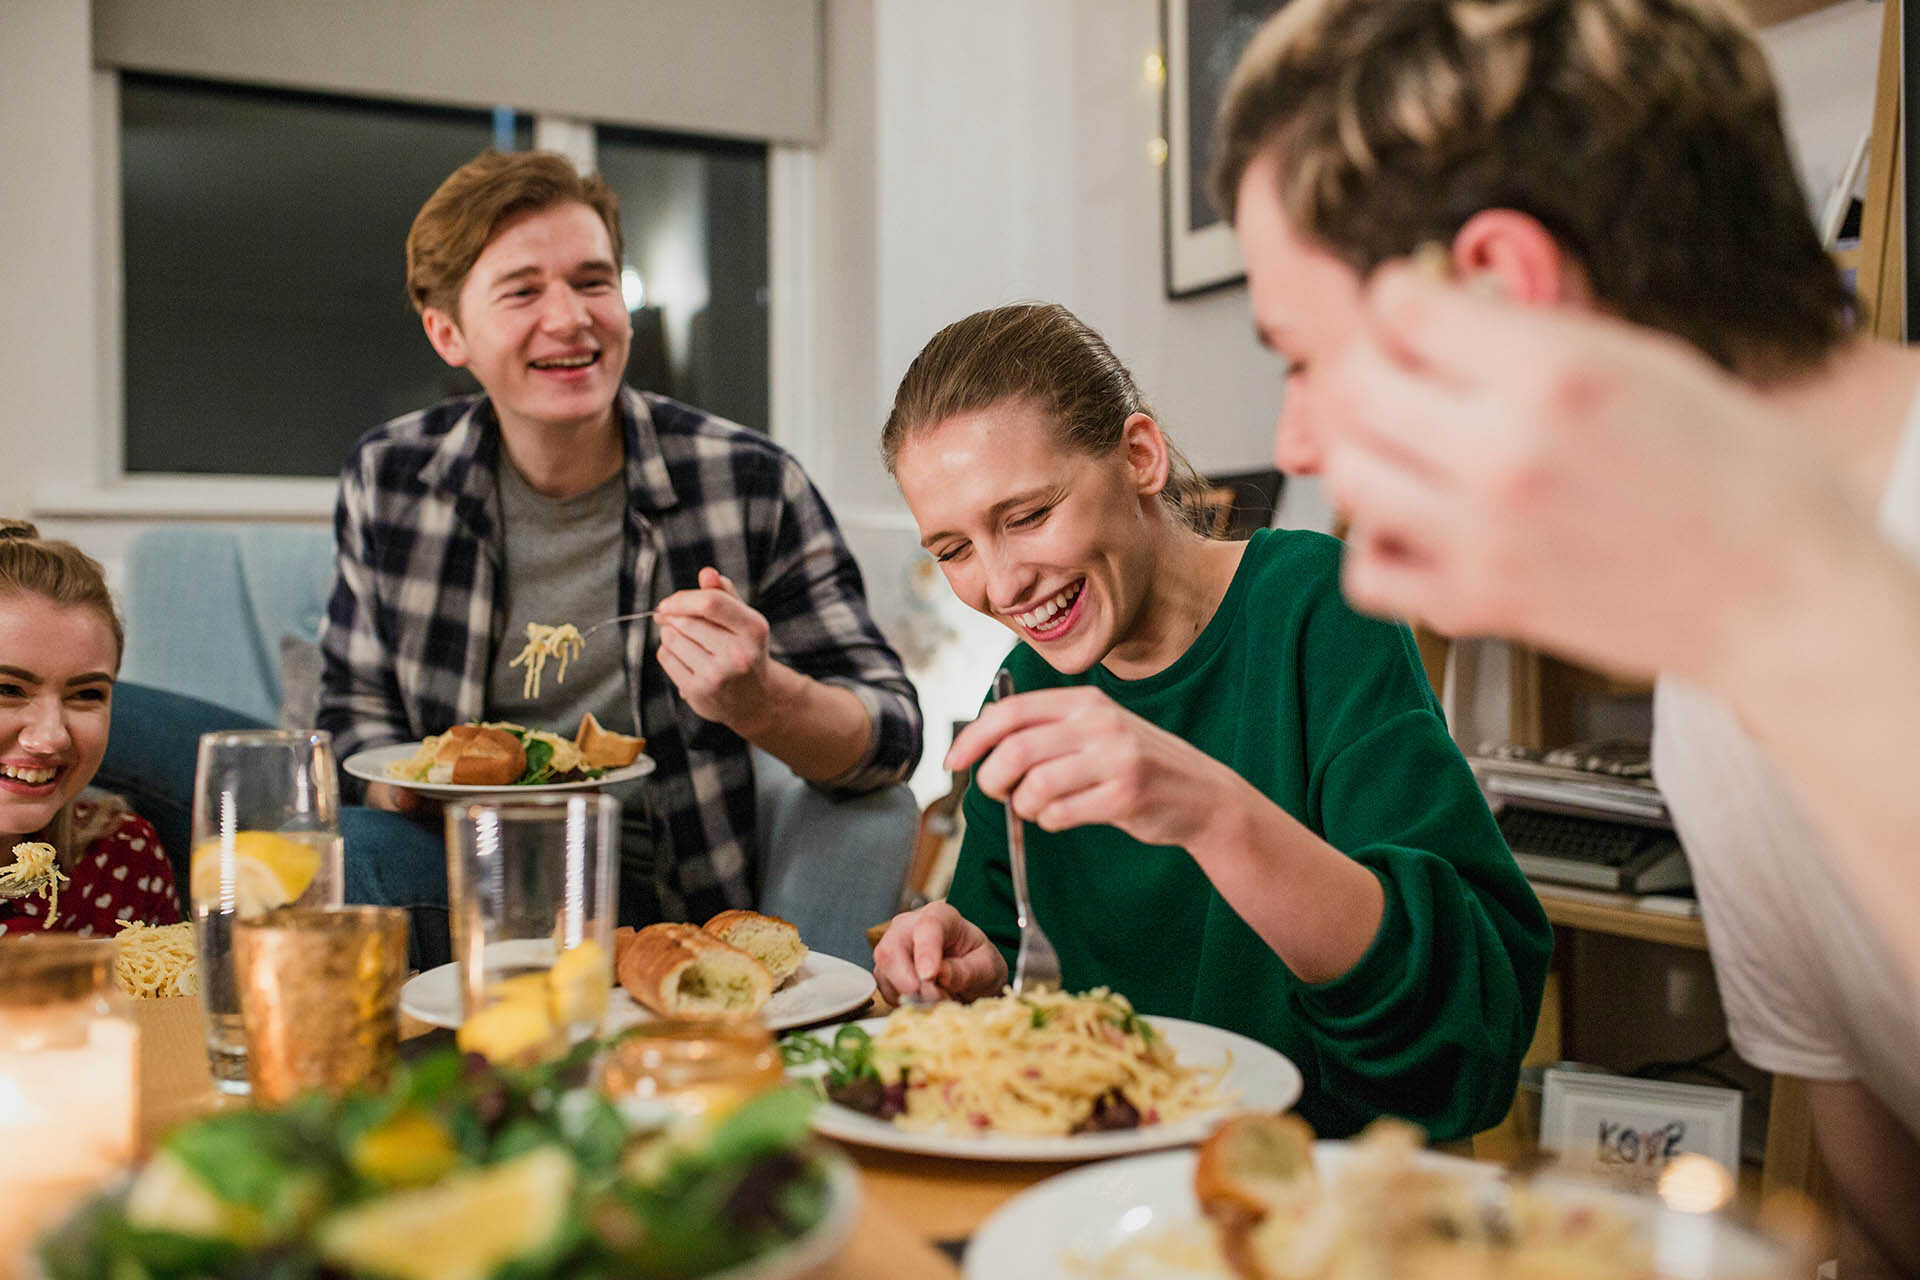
point(467, 1227)
point(513, 1030)
point(531, 1014)
point(408, 1149)
point(169, 1196)
point(581, 982)
point(269, 870)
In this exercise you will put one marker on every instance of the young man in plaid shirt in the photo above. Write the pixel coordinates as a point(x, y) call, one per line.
point(561, 495)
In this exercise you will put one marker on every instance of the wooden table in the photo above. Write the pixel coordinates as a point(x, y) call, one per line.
point(909, 1203)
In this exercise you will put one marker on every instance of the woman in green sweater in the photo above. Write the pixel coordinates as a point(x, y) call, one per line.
point(1244, 807)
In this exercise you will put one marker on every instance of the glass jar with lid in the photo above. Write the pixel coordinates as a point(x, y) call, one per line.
point(69, 1054)
point(662, 1071)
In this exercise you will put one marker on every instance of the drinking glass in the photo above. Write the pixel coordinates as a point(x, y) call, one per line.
point(320, 998)
point(266, 834)
point(531, 890)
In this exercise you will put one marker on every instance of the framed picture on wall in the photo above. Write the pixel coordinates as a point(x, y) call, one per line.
point(1203, 40)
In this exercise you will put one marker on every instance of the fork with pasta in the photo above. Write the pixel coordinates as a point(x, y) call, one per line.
point(558, 642)
point(564, 642)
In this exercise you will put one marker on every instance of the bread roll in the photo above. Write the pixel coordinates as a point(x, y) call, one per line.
point(603, 748)
point(772, 941)
point(479, 756)
point(1249, 1167)
point(682, 971)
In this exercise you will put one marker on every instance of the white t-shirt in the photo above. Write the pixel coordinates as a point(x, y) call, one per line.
point(1807, 987)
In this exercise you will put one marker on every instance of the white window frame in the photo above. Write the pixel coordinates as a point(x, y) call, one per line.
point(105, 489)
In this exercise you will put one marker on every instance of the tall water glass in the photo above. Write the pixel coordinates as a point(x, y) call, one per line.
point(266, 834)
point(531, 887)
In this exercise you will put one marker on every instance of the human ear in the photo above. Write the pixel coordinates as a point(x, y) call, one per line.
point(1516, 255)
point(443, 331)
point(1147, 453)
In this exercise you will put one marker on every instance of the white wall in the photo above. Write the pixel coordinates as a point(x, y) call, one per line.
point(1825, 63)
point(1013, 155)
point(48, 383)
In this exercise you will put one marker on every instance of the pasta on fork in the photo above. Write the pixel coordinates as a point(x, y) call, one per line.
point(562, 643)
point(35, 872)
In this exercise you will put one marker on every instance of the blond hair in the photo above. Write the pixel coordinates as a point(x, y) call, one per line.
point(1644, 135)
point(68, 577)
point(466, 211)
point(1042, 353)
point(56, 571)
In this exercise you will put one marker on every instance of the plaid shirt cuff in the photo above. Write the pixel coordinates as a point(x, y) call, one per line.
point(893, 743)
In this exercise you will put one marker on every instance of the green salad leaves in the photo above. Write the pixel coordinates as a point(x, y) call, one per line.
point(458, 1171)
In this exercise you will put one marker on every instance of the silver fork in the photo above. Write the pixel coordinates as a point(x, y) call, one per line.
point(607, 622)
point(807, 558)
point(1037, 963)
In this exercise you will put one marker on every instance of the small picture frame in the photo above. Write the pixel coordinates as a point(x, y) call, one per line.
point(1626, 1129)
point(1203, 39)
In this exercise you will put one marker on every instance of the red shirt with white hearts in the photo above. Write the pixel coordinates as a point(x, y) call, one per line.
point(121, 875)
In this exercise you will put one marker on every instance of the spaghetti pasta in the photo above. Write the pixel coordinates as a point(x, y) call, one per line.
point(150, 961)
point(1045, 1063)
point(562, 643)
point(34, 872)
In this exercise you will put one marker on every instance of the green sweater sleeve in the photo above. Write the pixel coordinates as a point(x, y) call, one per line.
point(1432, 1022)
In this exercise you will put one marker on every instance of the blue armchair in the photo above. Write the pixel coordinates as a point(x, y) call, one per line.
point(208, 608)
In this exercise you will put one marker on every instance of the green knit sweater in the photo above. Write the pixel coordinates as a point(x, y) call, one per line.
point(1329, 714)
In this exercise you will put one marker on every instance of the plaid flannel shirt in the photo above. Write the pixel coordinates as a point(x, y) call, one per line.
point(416, 609)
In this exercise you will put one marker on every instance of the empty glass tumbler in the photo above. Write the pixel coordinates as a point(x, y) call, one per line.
point(531, 887)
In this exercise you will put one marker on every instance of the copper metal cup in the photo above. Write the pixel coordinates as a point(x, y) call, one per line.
point(320, 997)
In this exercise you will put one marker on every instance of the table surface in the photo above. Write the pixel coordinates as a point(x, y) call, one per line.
point(911, 1203)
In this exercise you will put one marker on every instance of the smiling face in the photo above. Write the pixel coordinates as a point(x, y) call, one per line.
point(56, 690)
point(1306, 306)
point(1057, 545)
point(542, 323)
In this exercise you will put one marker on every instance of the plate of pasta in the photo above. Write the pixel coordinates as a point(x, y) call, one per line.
point(478, 760)
point(1046, 1075)
point(1377, 1205)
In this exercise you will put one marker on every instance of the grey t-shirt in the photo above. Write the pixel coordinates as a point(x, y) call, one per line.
point(562, 564)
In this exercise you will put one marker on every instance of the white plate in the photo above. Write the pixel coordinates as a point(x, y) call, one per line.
point(1260, 1079)
point(823, 987)
point(808, 1255)
point(371, 765)
point(1138, 1218)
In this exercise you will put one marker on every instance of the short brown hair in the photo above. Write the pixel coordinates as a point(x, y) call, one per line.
point(461, 217)
point(1644, 135)
point(55, 571)
point(1039, 352)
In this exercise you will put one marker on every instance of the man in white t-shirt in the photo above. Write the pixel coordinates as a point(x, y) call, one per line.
point(1624, 157)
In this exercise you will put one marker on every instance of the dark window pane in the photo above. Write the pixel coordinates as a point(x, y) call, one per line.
point(267, 324)
point(694, 216)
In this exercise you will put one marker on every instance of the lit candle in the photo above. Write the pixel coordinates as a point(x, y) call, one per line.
point(68, 1082)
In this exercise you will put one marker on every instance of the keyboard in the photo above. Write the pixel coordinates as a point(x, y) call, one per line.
point(1621, 857)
